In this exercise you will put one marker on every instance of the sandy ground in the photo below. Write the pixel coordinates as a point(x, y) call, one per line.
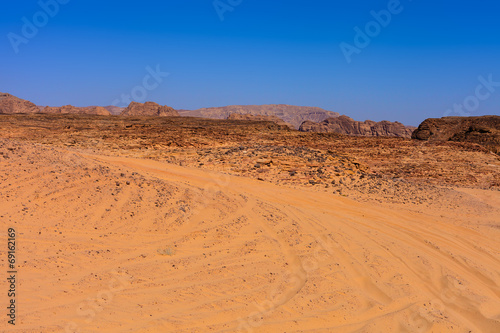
point(116, 244)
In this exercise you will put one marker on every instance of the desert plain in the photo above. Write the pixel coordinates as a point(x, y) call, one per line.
point(144, 224)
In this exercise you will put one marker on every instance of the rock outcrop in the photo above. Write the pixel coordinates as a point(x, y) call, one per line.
point(10, 104)
point(70, 109)
point(274, 119)
point(149, 109)
point(294, 115)
point(484, 130)
point(348, 126)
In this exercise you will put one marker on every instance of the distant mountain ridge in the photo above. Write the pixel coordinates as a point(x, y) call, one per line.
point(291, 114)
point(114, 110)
point(304, 118)
point(70, 109)
point(349, 126)
point(251, 117)
point(149, 109)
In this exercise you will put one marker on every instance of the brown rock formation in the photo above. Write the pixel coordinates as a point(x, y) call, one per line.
point(70, 109)
point(114, 110)
point(274, 119)
point(11, 104)
point(483, 130)
point(346, 125)
point(291, 114)
point(149, 109)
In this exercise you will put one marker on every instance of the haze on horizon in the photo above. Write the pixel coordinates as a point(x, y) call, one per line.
point(380, 60)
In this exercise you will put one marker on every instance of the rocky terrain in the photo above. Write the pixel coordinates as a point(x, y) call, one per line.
point(10, 104)
point(149, 109)
point(362, 167)
point(177, 224)
point(345, 125)
point(483, 130)
point(291, 114)
point(250, 117)
point(69, 109)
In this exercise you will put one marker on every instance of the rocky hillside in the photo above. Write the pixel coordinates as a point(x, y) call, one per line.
point(250, 117)
point(149, 109)
point(483, 130)
point(11, 104)
point(291, 114)
point(114, 110)
point(70, 109)
point(346, 125)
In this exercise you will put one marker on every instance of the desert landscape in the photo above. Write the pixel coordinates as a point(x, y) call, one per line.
point(231, 166)
point(152, 221)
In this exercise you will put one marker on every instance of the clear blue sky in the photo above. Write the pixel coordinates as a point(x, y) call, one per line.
point(425, 60)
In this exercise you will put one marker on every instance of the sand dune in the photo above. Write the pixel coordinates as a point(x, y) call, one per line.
point(116, 244)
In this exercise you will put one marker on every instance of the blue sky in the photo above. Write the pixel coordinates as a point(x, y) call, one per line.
point(427, 58)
